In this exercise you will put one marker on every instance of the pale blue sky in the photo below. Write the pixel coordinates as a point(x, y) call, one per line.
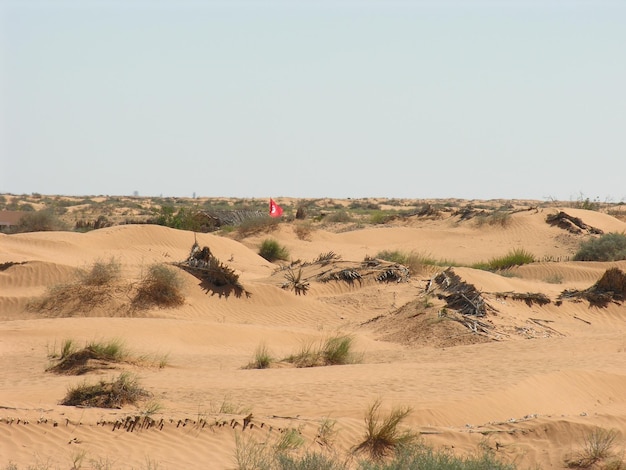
point(415, 99)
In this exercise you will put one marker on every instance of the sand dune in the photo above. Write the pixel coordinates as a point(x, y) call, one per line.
point(532, 388)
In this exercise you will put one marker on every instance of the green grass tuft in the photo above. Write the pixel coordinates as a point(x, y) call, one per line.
point(516, 257)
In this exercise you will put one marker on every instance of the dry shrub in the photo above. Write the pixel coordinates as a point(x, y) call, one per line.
point(598, 445)
point(115, 394)
point(257, 225)
point(102, 273)
point(161, 286)
point(303, 230)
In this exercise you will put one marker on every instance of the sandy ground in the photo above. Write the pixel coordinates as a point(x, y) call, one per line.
point(531, 388)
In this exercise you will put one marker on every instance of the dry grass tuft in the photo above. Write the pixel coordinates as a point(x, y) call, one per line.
point(598, 445)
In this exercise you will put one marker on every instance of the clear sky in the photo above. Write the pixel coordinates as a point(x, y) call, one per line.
point(327, 98)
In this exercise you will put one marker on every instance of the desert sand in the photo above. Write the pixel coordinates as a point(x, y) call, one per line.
point(532, 388)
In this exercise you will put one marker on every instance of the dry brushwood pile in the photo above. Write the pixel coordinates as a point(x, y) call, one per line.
point(529, 298)
point(611, 287)
point(328, 267)
point(572, 224)
point(203, 265)
point(461, 296)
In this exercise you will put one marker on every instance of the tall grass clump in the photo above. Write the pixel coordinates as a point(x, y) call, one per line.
point(272, 251)
point(383, 435)
point(516, 257)
point(337, 350)
point(161, 286)
point(607, 247)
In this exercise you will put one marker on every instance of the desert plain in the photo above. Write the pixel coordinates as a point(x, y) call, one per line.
point(526, 380)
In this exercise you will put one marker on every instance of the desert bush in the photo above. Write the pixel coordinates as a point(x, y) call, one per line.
point(272, 251)
point(161, 286)
point(382, 435)
point(257, 225)
point(303, 230)
point(40, 221)
point(607, 247)
point(516, 257)
point(497, 218)
point(380, 217)
point(122, 391)
point(102, 273)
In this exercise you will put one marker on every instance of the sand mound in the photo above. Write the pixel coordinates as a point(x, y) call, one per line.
point(482, 358)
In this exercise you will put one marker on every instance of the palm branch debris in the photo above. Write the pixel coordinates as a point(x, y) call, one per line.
point(571, 224)
point(611, 287)
point(461, 296)
point(328, 267)
point(529, 297)
point(203, 265)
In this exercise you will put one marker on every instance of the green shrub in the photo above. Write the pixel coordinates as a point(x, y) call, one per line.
point(607, 247)
point(272, 251)
point(40, 221)
point(380, 217)
point(161, 286)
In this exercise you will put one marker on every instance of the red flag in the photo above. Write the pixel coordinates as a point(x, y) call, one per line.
point(275, 209)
